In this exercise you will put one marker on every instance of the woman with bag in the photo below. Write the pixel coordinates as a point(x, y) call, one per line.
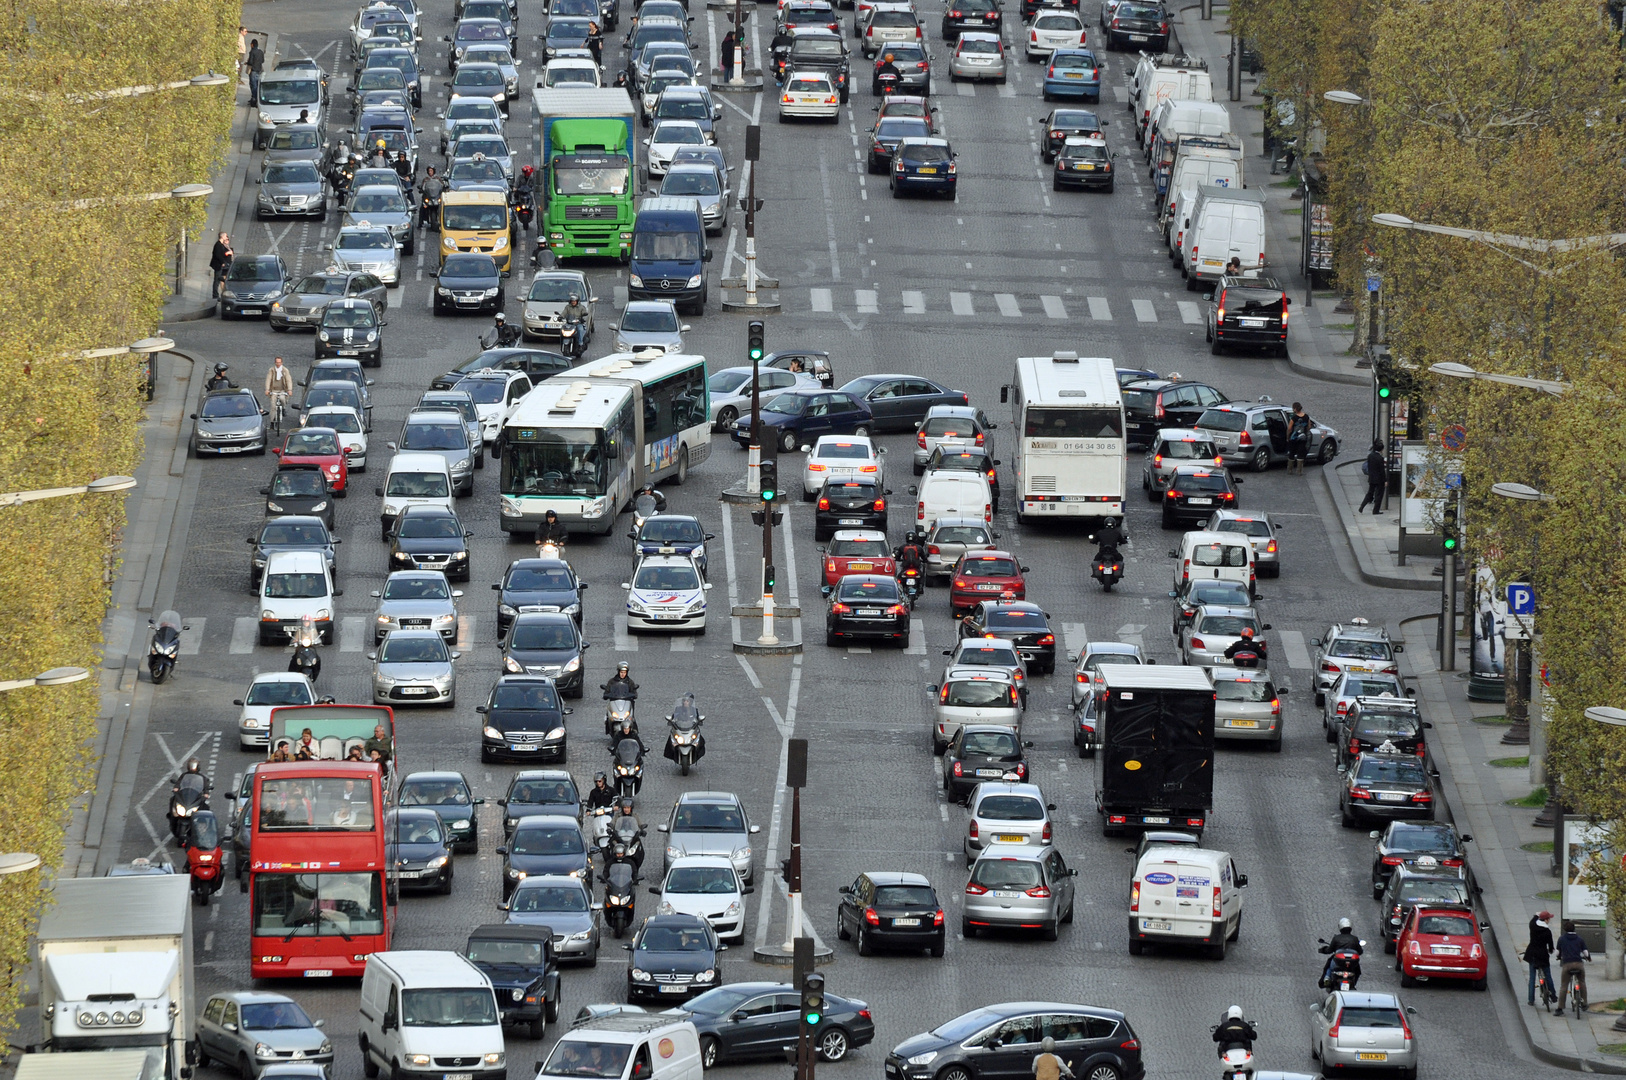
point(1376, 470)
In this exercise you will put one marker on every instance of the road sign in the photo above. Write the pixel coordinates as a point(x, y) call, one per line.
point(1453, 481)
point(1373, 284)
point(1518, 628)
point(1454, 438)
point(1521, 598)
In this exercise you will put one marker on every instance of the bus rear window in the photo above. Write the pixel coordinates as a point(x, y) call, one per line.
point(1086, 423)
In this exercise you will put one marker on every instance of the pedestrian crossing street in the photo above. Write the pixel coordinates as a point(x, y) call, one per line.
point(1290, 645)
point(830, 301)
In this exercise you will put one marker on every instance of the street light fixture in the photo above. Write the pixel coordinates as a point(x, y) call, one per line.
point(1606, 714)
point(1522, 492)
point(144, 347)
point(1462, 371)
point(106, 485)
point(58, 676)
point(18, 862)
point(1346, 97)
point(1494, 239)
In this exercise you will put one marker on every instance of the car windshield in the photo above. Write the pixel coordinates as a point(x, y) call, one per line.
point(344, 421)
point(655, 320)
point(1391, 769)
point(530, 696)
point(553, 634)
point(230, 405)
point(412, 650)
point(487, 54)
point(378, 202)
point(381, 79)
point(296, 139)
point(371, 240)
point(1201, 481)
point(550, 840)
point(1011, 808)
point(421, 792)
point(300, 173)
point(979, 45)
point(1440, 892)
point(407, 485)
point(346, 317)
point(666, 578)
point(976, 693)
point(672, 531)
point(685, 108)
point(485, 391)
point(312, 535)
point(429, 527)
point(990, 743)
point(708, 817)
point(1071, 60)
point(1452, 925)
point(863, 549)
point(488, 145)
point(298, 482)
point(583, 1057)
point(1233, 555)
point(290, 92)
point(1244, 689)
point(278, 693)
point(1429, 838)
point(866, 592)
point(1222, 420)
point(424, 829)
point(466, 218)
point(475, 1007)
point(1082, 121)
point(417, 588)
point(254, 270)
point(674, 939)
point(1357, 649)
point(665, 246)
point(275, 1016)
point(1227, 625)
point(897, 127)
point(311, 444)
point(557, 290)
point(295, 586)
point(547, 579)
point(434, 437)
point(477, 109)
point(985, 567)
point(691, 182)
point(1017, 874)
point(684, 134)
point(477, 76)
point(527, 953)
point(567, 30)
point(709, 880)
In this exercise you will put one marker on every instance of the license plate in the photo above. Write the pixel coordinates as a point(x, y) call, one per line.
point(1011, 838)
point(1073, 74)
point(1242, 723)
point(230, 449)
point(1137, 37)
point(252, 310)
point(1156, 924)
point(668, 618)
point(1446, 950)
point(927, 171)
point(673, 989)
point(590, 251)
point(298, 318)
point(905, 922)
point(989, 772)
point(349, 352)
point(1086, 168)
point(849, 521)
point(457, 1076)
point(860, 566)
point(414, 690)
point(1202, 502)
point(521, 747)
point(1213, 262)
point(1155, 820)
point(328, 974)
point(1359, 667)
point(869, 611)
point(1252, 322)
point(1373, 1057)
point(1007, 895)
point(987, 588)
point(1391, 796)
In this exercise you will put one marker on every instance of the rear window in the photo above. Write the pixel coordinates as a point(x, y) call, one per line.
point(1212, 481)
point(866, 591)
point(905, 896)
point(989, 568)
point(960, 534)
point(1446, 892)
point(1236, 299)
point(1222, 420)
point(1139, 400)
point(1186, 449)
point(1245, 526)
point(874, 549)
point(977, 693)
point(1383, 725)
point(1055, 22)
point(844, 450)
point(1020, 620)
point(892, 18)
point(1228, 625)
point(979, 45)
point(1454, 925)
point(1369, 1018)
point(1355, 649)
point(1244, 690)
point(950, 427)
point(1011, 808)
point(923, 152)
point(1219, 555)
point(1397, 770)
point(1006, 874)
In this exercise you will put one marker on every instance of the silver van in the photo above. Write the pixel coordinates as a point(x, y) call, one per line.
point(974, 695)
point(283, 96)
point(1018, 888)
point(443, 433)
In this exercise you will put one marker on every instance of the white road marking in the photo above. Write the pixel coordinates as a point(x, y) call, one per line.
point(192, 639)
point(353, 633)
point(1130, 633)
point(1008, 306)
point(1053, 307)
point(965, 89)
point(960, 303)
point(1189, 311)
point(1007, 90)
point(1075, 635)
point(1295, 649)
point(917, 639)
point(1122, 94)
point(245, 631)
point(624, 642)
point(1144, 311)
point(1100, 311)
point(822, 300)
point(914, 303)
point(868, 301)
point(466, 631)
point(865, 649)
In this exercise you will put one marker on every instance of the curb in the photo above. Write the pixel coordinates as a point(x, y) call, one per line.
point(1322, 375)
point(1363, 563)
point(779, 956)
point(743, 305)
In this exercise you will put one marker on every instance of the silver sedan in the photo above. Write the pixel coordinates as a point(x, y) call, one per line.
point(1213, 630)
point(1247, 705)
point(649, 324)
point(978, 56)
point(699, 180)
point(414, 666)
point(1351, 1030)
point(416, 599)
point(368, 248)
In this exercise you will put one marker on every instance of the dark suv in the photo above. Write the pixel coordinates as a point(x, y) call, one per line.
point(998, 1040)
point(1247, 309)
point(252, 284)
point(813, 50)
point(1153, 404)
point(962, 15)
point(523, 970)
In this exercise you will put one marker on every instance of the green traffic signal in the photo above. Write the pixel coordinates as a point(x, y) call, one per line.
point(768, 480)
point(1385, 392)
point(755, 335)
point(812, 999)
point(1450, 543)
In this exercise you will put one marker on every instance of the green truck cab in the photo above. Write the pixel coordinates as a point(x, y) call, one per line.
point(588, 161)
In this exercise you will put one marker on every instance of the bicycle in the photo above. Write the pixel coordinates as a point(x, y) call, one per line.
point(1578, 996)
point(1545, 991)
point(279, 405)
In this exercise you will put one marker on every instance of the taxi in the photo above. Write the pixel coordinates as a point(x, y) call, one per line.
point(1352, 647)
point(857, 551)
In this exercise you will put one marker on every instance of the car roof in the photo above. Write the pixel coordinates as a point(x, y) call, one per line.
point(552, 821)
point(1084, 140)
point(988, 553)
point(1242, 515)
point(543, 774)
point(964, 672)
point(698, 860)
point(415, 632)
point(924, 140)
point(1122, 648)
point(959, 522)
point(869, 579)
point(1362, 999)
point(898, 877)
point(666, 560)
point(1231, 674)
point(1012, 605)
point(859, 534)
point(677, 918)
point(980, 35)
point(720, 798)
point(1200, 470)
point(1225, 609)
point(278, 676)
point(440, 776)
point(253, 997)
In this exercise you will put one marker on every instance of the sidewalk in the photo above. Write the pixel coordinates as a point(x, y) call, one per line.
point(1319, 342)
point(1516, 882)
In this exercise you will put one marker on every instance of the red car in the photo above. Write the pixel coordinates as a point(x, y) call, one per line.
point(985, 575)
point(1441, 941)
point(321, 447)
point(858, 551)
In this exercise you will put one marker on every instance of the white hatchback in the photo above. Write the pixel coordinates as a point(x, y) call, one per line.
point(809, 93)
point(839, 457)
point(667, 592)
point(665, 140)
point(268, 691)
point(709, 887)
point(342, 419)
point(1051, 30)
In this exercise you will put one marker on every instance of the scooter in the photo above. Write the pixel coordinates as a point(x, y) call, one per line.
point(429, 213)
point(1238, 1063)
point(599, 823)
point(619, 896)
point(1107, 567)
point(570, 339)
point(204, 858)
point(626, 843)
point(629, 766)
point(166, 645)
point(190, 797)
point(909, 579)
point(524, 212)
point(617, 713)
point(685, 745)
point(1345, 970)
point(305, 660)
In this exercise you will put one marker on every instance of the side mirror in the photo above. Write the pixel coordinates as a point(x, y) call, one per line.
point(653, 891)
point(1173, 555)
point(935, 688)
point(375, 594)
point(481, 709)
point(237, 701)
point(1049, 806)
point(1400, 648)
point(1283, 689)
point(1467, 839)
point(626, 585)
point(1265, 625)
point(1374, 834)
point(267, 491)
point(1242, 881)
point(380, 493)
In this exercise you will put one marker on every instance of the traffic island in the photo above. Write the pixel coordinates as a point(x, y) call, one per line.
point(738, 300)
point(746, 622)
point(778, 955)
point(750, 84)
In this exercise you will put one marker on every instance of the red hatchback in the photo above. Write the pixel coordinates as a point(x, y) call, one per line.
point(858, 551)
point(1441, 941)
point(321, 447)
point(985, 575)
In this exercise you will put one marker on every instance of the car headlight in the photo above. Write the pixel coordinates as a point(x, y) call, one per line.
point(741, 854)
point(696, 608)
point(437, 862)
point(580, 935)
point(268, 614)
point(266, 119)
point(635, 607)
point(382, 678)
point(579, 872)
point(666, 908)
point(494, 1059)
point(450, 242)
point(575, 664)
point(383, 620)
point(326, 1047)
point(372, 335)
point(556, 733)
point(273, 507)
point(733, 909)
point(401, 556)
point(417, 1059)
point(573, 609)
point(706, 976)
point(924, 1059)
point(461, 824)
point(507, 609)
point(319, 507)
point(502, 242)
point(635, 281)
point(251, 722)
point(322, 335)
point(493, 733)
point(674, 852)
point(263, 1050)
point(640, 976)
point(323, 614)
point(512, 666)
point(443, 620)
point(466, 463)
point(517, 875)
point(694, 282)
point(489, 293)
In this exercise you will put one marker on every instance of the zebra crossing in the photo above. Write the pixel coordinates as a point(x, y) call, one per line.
point(830, 301)
point(1291, 645)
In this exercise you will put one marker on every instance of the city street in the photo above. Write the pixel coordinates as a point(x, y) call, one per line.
point(954, 290)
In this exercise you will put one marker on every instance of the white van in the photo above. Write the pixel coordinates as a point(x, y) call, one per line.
point(1175, 117)
point(1194, 171)
point(1185, 896)
point(951, 493)
point(1224, 224)
point(296, 584)
point(429, 1014)
point(1158, 79)
point(413, 479)
point(628, 1046)
point(1216, 556)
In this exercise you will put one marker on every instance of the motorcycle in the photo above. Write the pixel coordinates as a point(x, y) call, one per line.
point(910, 580)
point(1108, 570)
point(166, 645)
point(599, 823)
point(625, 728)
point(619, 897)
point(429, 212)
point(888, 83)
point(626, 842)
point(685, 745)
point(1345, 969)
point(500, 337)
point(1238, 1063)
point(524, 209)
point(204, 858)
point(629, 766)
point(189, 796)
point(551, 549)
point(570, 339)
point(305, 660)
point(643, 508)
point(617, 712)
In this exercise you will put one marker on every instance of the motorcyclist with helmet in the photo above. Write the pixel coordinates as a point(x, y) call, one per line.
point(524, 194)
point(620, 687)
point(1108, 539)
point(1247, 651)
point(888, 76)
point(403, 169)
point(600, 797)
point(551, 531)
point(381, 156)
point(911, 555)
point(1343, 941)
point(502, 335)
point(573, 316)
point(1234, 1032)
point(218, 380)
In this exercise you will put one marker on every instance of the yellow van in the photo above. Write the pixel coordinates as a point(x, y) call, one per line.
point(478, 221)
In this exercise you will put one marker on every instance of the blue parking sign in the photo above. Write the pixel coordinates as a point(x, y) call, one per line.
point(1521, 599)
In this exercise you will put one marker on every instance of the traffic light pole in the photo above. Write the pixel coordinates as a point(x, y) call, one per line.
point(1447, 640)
point(768, 636)
point(793, 925)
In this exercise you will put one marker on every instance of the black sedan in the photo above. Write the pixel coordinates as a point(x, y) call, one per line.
point(866, 606)
point(1403, 841)
point(1058, 127)
point(761, 1020)
point(1025, 625)
point(468, 282)
point(973, 459)
point(899, 402)
point(981, 752)
point(546, 643)
point(301, 490)
point(537, 585)
point(888, 132)
point(536, 364)
point(429, 537)
point(800, 416)
point(1093, 1042)
point(523, 720)
point(291, 532)
point(849, 504)
point(1195, 492)
point(1385, 787)
point(891, 909)
point(539, 791)
point(1153, 404)
point(1368, 725)
point(545, 845)
point(673, 957)
point(962, 15)
point(420, 849)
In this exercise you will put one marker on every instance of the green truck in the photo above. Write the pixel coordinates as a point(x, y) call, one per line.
point(588, 158)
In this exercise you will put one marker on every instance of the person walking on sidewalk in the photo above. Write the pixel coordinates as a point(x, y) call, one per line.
point(220, 262)
point(1375, 469)
point(242, 48)
point(1298, 439)
point(726, 54)
point(256, 65)
point(1572, 957)
point(1539, 952)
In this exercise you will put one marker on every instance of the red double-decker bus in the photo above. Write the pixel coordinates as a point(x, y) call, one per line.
point(321, 892)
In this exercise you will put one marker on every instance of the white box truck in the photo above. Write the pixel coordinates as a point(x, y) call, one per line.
point(115, 970)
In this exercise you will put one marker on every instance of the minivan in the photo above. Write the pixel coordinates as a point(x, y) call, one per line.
point(412, 480)
point(283, 96)
point(951, 494)
point(296, 584)
point(424, 1012)
point(669, 253)
point(1218, 556)
point(1185, 896)
point(1224, 224)
point(974, 695)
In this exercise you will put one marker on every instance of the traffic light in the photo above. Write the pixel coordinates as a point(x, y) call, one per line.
point(767, 578)
point(784, 872)
point(812, 999)
point(755, 333)
point(768, 479)
point(1448, 529)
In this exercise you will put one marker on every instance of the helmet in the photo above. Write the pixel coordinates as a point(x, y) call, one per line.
point(501, 317)
point(192, 764)
point(600, 778)
point(381, 144)
point(1234, 1013)
point(430, 171)
point(1110, 522)
point(574, 298)
point(1247, 632)
point(888, 58)
point(220, 369)
point(548, 515)
point(527, 170)
point(1343, 924)
point(625, 803)
point(621, 667)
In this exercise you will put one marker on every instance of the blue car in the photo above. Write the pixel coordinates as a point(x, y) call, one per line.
point(1072, 73)
point(923, 165)
point(801, 416)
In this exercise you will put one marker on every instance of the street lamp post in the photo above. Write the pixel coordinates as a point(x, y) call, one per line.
point(105, 485)
point(1516, 671)
point(57, 676)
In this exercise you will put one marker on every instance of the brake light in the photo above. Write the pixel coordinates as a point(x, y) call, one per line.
point(829, 566)
point(871, 917)
point(937, 920)
point(1270, 548)
point(1227, 496)
point(1450, 862)
point(1244, 439)
point(1160, 406)
point(1332, 1032)
point(785, 100)
point(933, 549)
point(1284, 318)
point(839, 608)
point(1475, 952)
point(1275, 706)
point(921, 66)
point(1045, 835)
point(1328, 665)
point(1115, 24)
point(1055, 134)
point(920, 440)
point(973, 834)
point(1050, 72)
point(1015, 696)
point(824, 503)
point(1117, 819)
point(1392, 860)
point(1359, 793)
point(1422, 797)
point(1033, 35)
point(960, 583)
point(1134, 895)
point(958, 771)
point(1413, 948)
point(1039, 892)
point(813, 467)
point(1048, 639)
point(1261, 258)
point(1157, 461)
point(1197, 643)
point(1021, 768)
point(920, 511)
point(980, 438)
point(1129, 1044)
point(896, 609)
point(942, 695)
point(1194, 822)
point(987, 512)
point(880, 505)
point(1405, 1028)
point(1354, 745)
point(973, 889)
point(1080, 677)
point(1216, 901)
point(1419, 748)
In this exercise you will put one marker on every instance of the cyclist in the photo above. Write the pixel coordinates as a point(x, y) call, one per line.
point(1572, 956)
point(279, 384)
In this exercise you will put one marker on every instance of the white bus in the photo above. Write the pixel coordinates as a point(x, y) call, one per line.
point(583, 443)
point(1070, 437)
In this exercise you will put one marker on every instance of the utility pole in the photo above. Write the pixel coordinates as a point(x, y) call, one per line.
point(755, 338)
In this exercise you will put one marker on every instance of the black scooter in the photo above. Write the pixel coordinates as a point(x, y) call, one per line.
point(620, 898)
point(1107, 567)
point(1345, 971)
point(629, 766)
point(684, 744)
point(189, 795)
point(166, 645)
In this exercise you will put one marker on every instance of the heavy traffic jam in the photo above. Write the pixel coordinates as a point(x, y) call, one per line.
point(424, 877)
